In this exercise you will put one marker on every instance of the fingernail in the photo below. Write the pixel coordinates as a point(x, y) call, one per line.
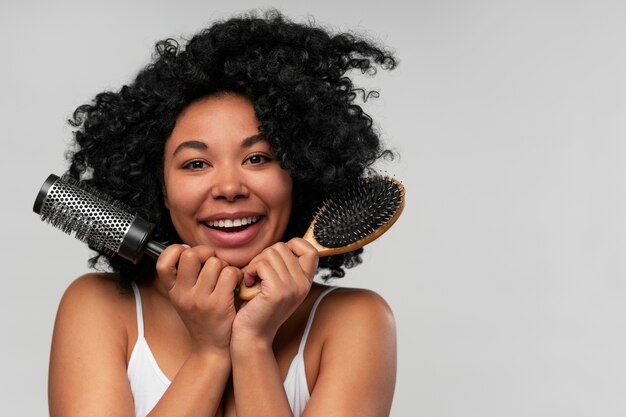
point(184, 245)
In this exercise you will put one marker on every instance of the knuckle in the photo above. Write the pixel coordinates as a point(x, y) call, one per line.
point(260, 264)
point(214, 263)
point(188, 256)
point(306, 245)
point(231, 271)
point(270, 251)
point(263, 265)
point(163, 264)
point(161, 267)
point(309, 249)
point(279, 246)
point(180, 300)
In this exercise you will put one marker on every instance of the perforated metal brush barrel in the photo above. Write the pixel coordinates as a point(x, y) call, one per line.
point(104, 224)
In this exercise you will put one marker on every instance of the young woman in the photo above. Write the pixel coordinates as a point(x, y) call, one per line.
point(227, 145)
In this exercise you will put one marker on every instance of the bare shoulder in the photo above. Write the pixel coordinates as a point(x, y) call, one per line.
point(94, 291)
point(355, 315)
point(93, 301)
point(356, 307)
point(93, 282)
point(89, 349)
point(357, 367)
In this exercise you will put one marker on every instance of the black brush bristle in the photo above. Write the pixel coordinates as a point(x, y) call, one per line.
point(357, 211)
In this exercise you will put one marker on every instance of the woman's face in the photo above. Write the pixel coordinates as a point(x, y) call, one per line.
point(222, 184)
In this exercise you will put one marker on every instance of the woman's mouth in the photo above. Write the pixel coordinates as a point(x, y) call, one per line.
point(233, 231)
point(232, 225)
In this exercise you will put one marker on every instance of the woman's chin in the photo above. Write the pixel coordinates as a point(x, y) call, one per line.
point(235, 258)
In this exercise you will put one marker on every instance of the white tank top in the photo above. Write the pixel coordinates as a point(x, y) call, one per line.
point(148, 382)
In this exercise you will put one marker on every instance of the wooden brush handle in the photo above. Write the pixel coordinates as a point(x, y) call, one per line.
point(248, 293)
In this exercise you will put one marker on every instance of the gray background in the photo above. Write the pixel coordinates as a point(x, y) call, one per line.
point(506, 271)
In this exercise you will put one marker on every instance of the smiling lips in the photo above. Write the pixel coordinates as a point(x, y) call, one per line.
point(233, 231)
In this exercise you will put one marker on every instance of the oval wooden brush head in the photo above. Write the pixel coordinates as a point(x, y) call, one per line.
point(351, 219)
point(358, 215)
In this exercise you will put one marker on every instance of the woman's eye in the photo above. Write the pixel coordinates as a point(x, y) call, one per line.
point(257, 159)
point(193, 165)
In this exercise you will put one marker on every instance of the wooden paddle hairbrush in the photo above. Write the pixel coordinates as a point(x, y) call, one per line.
point(351, 219)
point(346, 221)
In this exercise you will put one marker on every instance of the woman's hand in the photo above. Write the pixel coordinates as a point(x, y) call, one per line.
point(201, 288)
point(286, 271)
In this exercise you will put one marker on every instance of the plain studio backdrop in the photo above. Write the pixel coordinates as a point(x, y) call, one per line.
point(506, 271)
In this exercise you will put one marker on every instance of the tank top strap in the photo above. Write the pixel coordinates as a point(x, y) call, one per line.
point(139, 311)
point(311, 316)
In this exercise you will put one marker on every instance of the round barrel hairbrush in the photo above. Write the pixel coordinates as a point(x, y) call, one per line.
point(350, 219)
point(105, 224)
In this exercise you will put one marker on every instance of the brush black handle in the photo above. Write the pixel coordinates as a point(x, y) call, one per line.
point(154, 249)
point(137, 241)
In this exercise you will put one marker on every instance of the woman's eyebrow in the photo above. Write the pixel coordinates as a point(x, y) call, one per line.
point(191, 144)
point(197, 144)
point(249, 141)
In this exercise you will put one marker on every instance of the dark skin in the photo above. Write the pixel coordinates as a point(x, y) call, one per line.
point(224, 358)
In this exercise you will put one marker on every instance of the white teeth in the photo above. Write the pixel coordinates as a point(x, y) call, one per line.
point(225, 223)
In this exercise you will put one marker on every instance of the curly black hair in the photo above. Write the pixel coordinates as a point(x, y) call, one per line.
point(295, 76)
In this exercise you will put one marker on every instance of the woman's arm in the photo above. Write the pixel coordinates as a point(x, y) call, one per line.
point(356, 343)
point(201, 289)
point(88, 361)
point(197, 388)
point(357, 370)
point(87, 375)
point(90, 343)
point(286, 271)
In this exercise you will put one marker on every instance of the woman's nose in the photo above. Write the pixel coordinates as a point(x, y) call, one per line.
point(229, 185)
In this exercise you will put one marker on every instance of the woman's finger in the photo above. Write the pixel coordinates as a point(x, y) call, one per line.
point(299, 279)
point(189, 265)
point(228, 280)
point(308, 257)
point(209, 274)
point(166, 265)
point(261, 269)
point(290, 260)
